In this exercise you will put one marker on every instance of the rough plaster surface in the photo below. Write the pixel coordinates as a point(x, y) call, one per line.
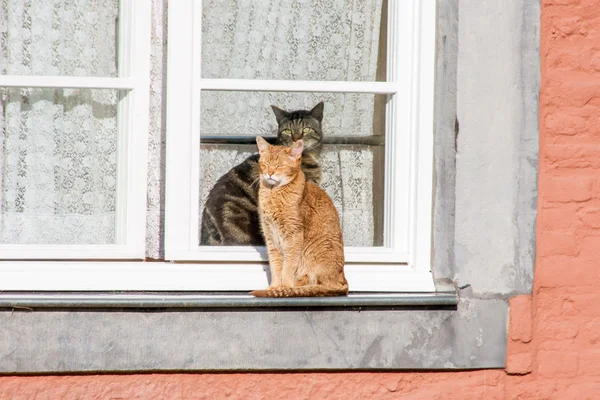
point(483, 236)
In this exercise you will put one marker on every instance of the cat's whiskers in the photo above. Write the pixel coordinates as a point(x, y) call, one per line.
point(255, 182)
point(310, 148)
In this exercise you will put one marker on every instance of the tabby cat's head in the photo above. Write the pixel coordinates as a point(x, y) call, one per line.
point(279, 165)
point(300, 124)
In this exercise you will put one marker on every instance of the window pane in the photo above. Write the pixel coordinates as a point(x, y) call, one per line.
point(58, 153)
point(60, 37)
point(351, 160)
point(325, 40)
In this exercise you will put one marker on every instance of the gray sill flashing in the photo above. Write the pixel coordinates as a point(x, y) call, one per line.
point(444, 297)
point(32, 301)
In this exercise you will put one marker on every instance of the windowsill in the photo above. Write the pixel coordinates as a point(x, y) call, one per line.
point(112, 277)
point(117, 331)
point(31, 301)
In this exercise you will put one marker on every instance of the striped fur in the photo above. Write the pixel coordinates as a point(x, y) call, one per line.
point(301, 227)
point(230, 216)
point(302, 291)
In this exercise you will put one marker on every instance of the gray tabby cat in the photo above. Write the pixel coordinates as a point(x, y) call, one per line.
point(230, 216)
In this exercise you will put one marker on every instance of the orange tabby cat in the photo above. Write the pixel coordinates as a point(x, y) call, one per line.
point(301, 228)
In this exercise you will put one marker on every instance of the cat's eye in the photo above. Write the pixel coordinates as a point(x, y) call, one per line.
point(286, 132)
point(305, 130)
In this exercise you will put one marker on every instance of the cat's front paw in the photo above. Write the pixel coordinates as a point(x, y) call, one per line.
point(274, 287)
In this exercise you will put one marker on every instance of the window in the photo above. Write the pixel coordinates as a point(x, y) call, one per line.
point(74, 99)
point(84, 173)
point(73, 117)
point(464, 340)
point(228, 61)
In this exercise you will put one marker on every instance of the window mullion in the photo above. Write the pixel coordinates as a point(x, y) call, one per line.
point(268, 85)
point(180, 120)
point(67, 82)
point(134, 63)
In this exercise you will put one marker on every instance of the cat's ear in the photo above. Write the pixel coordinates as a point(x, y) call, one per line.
point(296, 149)
point(262, 144)
point(317, 111)
point(280, 114)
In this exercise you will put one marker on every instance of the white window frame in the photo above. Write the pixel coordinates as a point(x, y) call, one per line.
point(404, 263)
point(409, 269)
point(132, 119)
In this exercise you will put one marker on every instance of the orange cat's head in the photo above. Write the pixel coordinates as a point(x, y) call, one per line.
point(279, 165)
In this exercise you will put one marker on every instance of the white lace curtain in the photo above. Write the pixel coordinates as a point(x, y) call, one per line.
point(58, 146)
point(295, 40)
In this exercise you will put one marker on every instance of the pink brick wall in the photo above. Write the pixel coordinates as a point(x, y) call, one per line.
point(554, 335)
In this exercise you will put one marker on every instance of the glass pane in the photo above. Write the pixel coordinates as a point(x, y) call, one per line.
point(324, 40)
point(351, 160)
point(58, 166)
point(60, 37)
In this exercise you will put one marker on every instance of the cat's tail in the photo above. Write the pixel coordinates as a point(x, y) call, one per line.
point(303, 291)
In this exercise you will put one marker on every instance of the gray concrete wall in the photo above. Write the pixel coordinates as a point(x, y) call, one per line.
point(496, 145)
point(246, 340)
point(446, 131)
point(485, 197)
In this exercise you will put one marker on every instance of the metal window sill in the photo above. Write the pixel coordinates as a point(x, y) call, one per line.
point(157, 300)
